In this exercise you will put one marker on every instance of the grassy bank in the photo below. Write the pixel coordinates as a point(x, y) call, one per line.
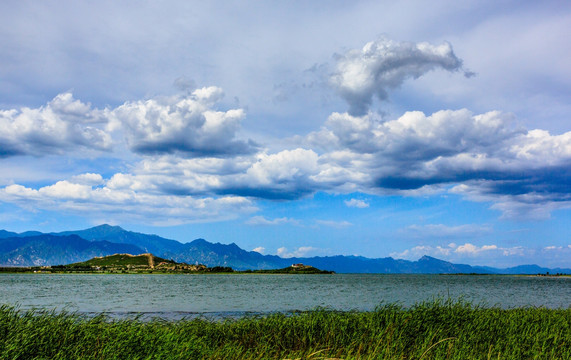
point(436, 330)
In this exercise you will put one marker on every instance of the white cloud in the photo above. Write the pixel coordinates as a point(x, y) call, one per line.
point(415, 154)
point(186, 147)
point(187, 125)
point(361, 204)
point(415, 136)
point(288, 174)
point(66, 190)
point(61, 125)
point(484, 158)
point(87, 179)
point(128, 201)
point(334, 224)
point(260, 249)
point(383, 65)
point(421, 250)
point(470, 249)
point(283, 167)
point(488, 254)
point(524, 173)
point(441, 230)
point(303, 251)
point(260, 220)
point(530, 205)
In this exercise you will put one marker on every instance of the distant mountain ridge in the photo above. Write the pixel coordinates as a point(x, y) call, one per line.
point(47, 249)
point(35, 248)
point(149, 243)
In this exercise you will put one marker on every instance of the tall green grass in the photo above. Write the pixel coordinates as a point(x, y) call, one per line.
point(430, 330)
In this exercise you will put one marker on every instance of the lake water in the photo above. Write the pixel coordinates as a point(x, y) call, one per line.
point(180, 296)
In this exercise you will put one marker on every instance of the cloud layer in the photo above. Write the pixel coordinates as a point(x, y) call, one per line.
point(484, 156)
point(189, 158)
point(189, 149)
point(481, 157)
point(119, 198)
point(383, 65)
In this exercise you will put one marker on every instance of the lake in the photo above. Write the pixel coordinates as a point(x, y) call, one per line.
point(180, 296)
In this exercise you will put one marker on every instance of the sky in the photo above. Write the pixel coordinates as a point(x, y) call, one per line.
point(298, 128)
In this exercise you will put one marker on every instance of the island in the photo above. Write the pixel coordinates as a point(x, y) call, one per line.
point(151, 264)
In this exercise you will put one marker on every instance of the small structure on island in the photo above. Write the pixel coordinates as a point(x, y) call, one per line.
point(300, 265)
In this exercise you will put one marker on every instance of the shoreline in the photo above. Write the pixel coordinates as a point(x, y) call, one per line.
point(31, 271)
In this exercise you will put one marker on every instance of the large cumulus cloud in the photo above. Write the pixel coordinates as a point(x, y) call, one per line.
point(383, 65)
point(187, 125)
point(62, 124)
point(286, 175)
point(485, 156)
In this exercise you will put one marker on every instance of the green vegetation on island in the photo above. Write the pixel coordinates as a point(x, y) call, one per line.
point(293, 269)
point(149, 264)
point(127, 263)
point(433, 330)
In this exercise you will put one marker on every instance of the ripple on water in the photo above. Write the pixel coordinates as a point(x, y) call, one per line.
point(178, 296)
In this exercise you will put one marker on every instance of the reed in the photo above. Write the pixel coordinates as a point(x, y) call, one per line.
point(428, 330)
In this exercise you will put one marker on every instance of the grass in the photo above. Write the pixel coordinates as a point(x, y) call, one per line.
point(430, 330)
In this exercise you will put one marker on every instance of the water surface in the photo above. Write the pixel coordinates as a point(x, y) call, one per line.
point(178, 296)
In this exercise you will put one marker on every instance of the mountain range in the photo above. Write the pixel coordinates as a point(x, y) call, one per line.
point(34, 248)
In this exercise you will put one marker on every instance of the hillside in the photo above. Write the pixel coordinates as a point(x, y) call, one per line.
point(127, 263)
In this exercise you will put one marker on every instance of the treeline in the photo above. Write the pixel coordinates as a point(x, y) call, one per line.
point(15, 269)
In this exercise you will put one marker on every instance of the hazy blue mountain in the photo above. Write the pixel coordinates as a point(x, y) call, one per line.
point(7, 234)
point(352, 264)
point(149, 243)
point(32, 249)
point(210, 254)
point(533, 269)
point(197, 251)
point(388, 265)
point(430, 265)
point(30, 233)
point(49, 249)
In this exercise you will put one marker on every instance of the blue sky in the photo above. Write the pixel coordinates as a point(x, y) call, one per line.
point(374, 128)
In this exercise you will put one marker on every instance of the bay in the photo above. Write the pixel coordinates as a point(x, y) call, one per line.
point(182, 296)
